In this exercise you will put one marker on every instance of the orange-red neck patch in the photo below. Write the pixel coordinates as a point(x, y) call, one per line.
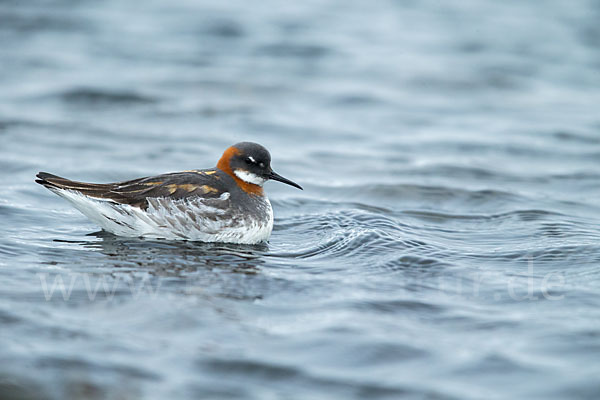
point(224, 165)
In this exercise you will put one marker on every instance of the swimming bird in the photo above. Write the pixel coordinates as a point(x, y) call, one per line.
point(222, 204)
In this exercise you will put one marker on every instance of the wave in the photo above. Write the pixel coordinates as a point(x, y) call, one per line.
point(104, 97)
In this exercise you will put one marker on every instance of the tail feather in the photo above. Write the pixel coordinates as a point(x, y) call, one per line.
point(96, 190)
point(50, 180)
point(45, 178)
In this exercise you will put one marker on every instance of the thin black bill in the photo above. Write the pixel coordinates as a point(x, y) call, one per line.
point(276, 177)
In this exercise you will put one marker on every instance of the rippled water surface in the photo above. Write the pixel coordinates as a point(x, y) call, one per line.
point(446, 245)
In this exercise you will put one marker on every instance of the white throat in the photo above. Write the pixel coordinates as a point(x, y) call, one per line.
point(249, 177)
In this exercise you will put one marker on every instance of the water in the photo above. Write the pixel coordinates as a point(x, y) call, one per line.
point(446, 245)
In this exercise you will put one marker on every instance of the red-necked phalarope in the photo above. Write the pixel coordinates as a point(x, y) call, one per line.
point(222, 204)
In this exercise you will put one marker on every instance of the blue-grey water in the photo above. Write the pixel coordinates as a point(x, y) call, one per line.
point(446, 245)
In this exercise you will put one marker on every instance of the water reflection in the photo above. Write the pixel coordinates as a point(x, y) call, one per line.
point(110, 266)
point(172, 257)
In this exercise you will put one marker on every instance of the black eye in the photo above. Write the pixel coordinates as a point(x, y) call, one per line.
point(248, 161)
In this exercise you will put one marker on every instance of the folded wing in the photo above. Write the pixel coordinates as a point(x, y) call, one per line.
point(137, 192)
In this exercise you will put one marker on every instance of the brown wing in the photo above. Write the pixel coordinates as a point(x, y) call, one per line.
point(178, 185)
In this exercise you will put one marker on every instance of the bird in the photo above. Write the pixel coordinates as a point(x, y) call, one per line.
point(226, 203)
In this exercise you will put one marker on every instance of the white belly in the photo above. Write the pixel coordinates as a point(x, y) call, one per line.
point(175, 219)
